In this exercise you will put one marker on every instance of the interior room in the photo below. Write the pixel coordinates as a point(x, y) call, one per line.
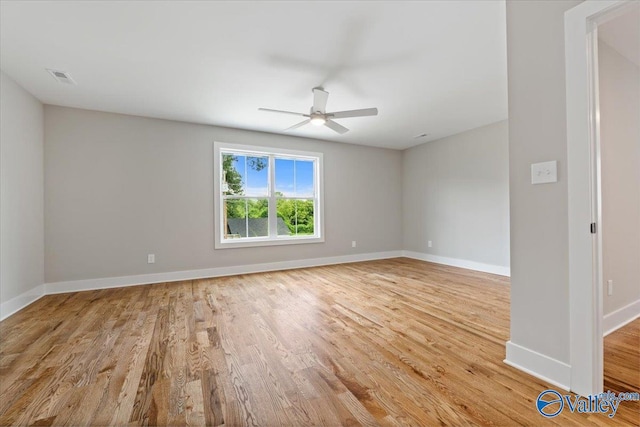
point(619, 102)
point(319, 213)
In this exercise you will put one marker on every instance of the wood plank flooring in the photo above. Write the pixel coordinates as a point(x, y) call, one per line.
point(393, 342)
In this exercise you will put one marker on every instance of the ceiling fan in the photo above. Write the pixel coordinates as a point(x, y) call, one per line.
point(318, 115)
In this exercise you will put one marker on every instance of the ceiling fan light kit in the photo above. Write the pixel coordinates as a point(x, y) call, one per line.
point(318, 115)
point(317, 119)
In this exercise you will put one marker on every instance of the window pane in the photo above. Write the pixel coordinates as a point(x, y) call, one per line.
point(295, 178)
point(257, 176)
point(235, 214)
point(257, 217)
point(304, 178)
point(233, 174)
point(295, 217)
point(285, 178)
point(246, 218)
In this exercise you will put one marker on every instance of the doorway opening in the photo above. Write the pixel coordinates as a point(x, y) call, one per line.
point(586, 157)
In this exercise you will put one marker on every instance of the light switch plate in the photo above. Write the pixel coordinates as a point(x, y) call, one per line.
point(544, 173)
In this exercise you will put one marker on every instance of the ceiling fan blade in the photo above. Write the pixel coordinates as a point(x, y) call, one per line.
point(296, 126)
point(319, 100)
point(282, 111)
point(354, 113)
point(336, 127)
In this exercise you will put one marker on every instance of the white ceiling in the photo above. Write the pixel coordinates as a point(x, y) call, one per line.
point(623, 33)
point(436, 67)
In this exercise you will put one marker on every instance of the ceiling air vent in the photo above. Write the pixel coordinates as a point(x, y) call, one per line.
point(61, 77)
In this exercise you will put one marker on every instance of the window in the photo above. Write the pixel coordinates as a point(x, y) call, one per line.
point(266, 196)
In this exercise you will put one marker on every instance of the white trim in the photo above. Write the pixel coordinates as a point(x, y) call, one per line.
point(622, 316)
point(174, 276)
point(538, 365)
point(254, 242)
point(585, 286)
point(16, 304)
point(462, 263)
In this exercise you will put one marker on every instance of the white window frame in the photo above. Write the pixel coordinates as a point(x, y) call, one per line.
point(273, 239)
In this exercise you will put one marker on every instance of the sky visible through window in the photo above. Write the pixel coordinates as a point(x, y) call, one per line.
point(294, 178)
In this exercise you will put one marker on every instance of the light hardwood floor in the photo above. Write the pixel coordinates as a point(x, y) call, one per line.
point(393, 342)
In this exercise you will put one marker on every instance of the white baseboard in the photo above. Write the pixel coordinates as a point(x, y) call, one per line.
point(16, 304)
point(540, 366)
point(174, 276)
point(22, 301)
point(621, 317)
point(462, 263)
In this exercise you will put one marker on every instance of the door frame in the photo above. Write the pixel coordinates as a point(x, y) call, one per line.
point(584, 191)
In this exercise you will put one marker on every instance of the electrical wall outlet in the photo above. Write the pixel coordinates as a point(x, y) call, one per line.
point(353, 243)
point(609, 287)
point(430, 244)
point(151, 259)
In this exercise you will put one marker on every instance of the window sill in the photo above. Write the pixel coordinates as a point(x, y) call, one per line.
point(267, 242)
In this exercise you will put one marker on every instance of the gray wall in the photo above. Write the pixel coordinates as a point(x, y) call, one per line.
point(537, 132)
point(456, 194)
point(119, 187)
point(620, 157)
point(21, 191)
